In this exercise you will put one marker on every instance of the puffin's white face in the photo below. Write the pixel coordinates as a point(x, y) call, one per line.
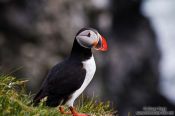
point(89, 38)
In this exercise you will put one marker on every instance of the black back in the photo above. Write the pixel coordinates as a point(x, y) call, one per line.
point(64, 78)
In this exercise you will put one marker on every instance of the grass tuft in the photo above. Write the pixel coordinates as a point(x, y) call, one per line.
point(15, 101)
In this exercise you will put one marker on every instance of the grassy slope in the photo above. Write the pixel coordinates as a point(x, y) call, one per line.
point(14, 101)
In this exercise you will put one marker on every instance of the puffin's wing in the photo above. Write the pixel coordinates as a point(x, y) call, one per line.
point(69, 78)
point(62, 80)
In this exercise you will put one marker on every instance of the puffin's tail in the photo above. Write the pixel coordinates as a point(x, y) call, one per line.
point(38, 97)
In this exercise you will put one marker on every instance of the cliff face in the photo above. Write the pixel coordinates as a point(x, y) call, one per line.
point(132, 73)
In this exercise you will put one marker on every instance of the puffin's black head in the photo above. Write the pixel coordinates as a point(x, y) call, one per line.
point(90, 38)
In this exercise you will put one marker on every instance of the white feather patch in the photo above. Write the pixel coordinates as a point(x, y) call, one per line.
point(90, 67)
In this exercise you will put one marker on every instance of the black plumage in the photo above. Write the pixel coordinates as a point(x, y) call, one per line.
point(64, 78)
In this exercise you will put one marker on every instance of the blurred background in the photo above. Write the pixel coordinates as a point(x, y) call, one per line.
point(138, 69)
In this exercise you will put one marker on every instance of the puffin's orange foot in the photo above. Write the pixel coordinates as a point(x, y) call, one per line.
point(62, 111)
point(75, 113)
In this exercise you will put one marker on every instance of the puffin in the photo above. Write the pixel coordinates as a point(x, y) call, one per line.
point(68, 79)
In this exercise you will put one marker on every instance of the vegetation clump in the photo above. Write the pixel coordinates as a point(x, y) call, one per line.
point(15, 101)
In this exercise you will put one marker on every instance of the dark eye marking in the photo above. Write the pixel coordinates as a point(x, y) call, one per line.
point(89, 34)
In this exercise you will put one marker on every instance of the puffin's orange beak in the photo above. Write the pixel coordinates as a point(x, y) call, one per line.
point(101, 44)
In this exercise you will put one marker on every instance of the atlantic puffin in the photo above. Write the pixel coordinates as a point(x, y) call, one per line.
point(68, 79)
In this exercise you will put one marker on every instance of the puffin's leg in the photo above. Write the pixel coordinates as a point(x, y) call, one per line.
point(61, 109)
point(75, 113)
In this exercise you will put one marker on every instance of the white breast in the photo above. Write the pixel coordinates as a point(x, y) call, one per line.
point(90, 67)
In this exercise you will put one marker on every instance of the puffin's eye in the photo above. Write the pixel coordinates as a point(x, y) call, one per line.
point(89, 34)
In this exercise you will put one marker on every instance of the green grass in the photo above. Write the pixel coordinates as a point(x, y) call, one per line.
point(15, 101)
